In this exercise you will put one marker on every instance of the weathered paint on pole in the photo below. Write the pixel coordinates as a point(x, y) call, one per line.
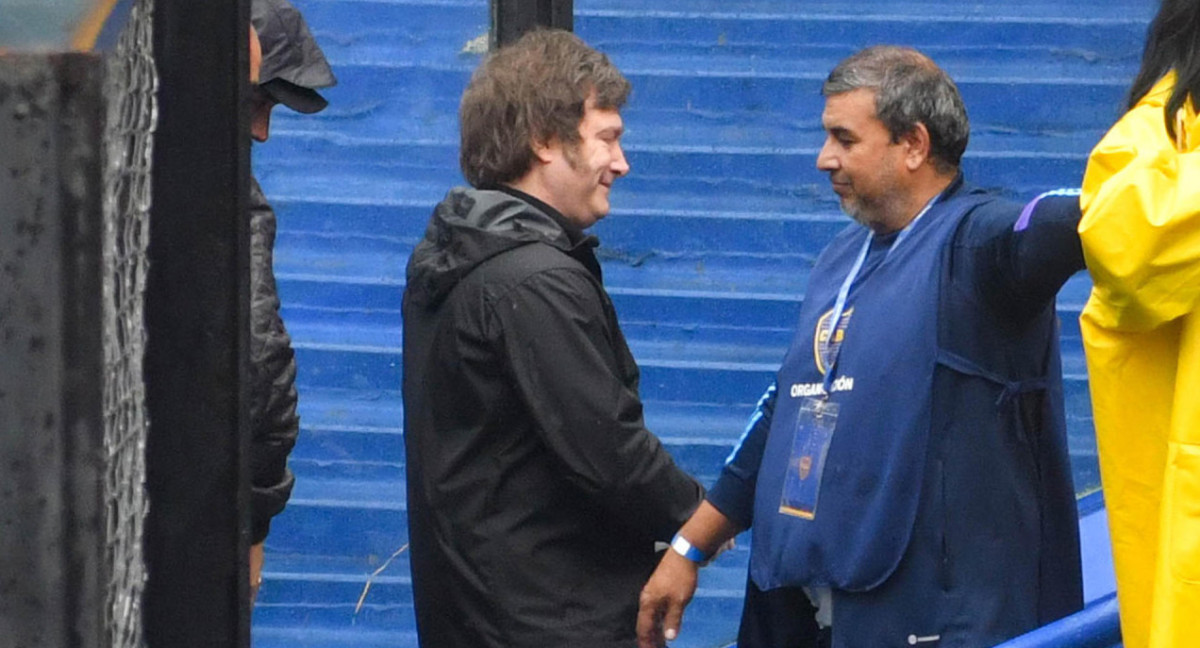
point(52, 534)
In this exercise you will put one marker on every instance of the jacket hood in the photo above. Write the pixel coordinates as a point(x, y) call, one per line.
point(469, 227)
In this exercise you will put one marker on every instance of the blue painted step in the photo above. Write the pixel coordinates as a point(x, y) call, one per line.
point(923, 11)
point(763, 275)
point(394, 218)
point(439, 31)
point(366, 94)
point(287, 615)
point(772, 107)
point(746, 179)
point(689, 365)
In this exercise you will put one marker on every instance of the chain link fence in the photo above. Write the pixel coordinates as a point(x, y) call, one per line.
point(129, 90)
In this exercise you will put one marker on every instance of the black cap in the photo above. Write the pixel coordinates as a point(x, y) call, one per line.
point(293, 65)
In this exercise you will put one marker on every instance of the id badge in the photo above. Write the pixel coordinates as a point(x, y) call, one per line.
point(813, 433)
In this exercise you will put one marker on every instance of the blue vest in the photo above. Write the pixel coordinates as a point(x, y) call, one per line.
point(872, 479)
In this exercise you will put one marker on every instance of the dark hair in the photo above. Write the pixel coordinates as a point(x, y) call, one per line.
point(909, 89)
point(1172, 43)
point(531, 91)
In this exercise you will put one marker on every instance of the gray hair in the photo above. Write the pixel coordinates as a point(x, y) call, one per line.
point(909, 89)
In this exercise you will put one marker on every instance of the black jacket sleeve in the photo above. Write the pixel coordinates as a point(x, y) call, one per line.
point(574, 372)
point(274, 423)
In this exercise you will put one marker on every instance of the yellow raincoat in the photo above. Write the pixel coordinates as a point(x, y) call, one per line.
point(1141, 331)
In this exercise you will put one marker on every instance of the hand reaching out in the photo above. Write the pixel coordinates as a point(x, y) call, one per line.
point(666, 594)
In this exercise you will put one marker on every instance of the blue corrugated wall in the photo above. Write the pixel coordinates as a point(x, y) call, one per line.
point(706, 252)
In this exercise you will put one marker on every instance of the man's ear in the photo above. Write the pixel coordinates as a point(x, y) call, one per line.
point(546, 151)
point(917, 143)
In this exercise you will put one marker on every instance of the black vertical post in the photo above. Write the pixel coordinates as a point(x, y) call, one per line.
point(52, 531)
point(511, 18)
point(197, 531)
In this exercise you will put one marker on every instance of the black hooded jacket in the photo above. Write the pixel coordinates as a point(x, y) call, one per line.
point(535, 491)
point(274, 423)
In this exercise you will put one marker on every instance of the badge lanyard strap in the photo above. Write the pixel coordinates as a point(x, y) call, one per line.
point(839, 306)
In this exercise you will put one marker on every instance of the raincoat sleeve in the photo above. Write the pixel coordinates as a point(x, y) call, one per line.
point(733, 494)
point(575, 375)
point(1141, 223)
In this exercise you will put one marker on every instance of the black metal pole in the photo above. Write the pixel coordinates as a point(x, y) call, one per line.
point(197, 531)
point(511, 18)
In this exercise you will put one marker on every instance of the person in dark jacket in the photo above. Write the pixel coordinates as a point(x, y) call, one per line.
point(535, 492)
point(290, 66)
point(906, 476)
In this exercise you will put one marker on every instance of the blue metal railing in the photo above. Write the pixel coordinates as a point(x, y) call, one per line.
point(1096, 626)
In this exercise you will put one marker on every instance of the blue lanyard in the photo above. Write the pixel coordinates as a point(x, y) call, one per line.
point(839, 306)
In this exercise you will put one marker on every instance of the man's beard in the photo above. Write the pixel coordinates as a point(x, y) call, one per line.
point(874, 214)
point(868, 214)
point(854, 209)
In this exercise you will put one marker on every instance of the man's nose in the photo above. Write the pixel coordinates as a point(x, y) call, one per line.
point(826, 161)
point(260, 125)
point(620, 165)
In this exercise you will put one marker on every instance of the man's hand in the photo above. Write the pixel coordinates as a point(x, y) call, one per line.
point(660, 608)
point(671, 586)
point(256, 565)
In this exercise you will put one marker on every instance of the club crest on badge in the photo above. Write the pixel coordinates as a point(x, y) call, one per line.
point(826, 339)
